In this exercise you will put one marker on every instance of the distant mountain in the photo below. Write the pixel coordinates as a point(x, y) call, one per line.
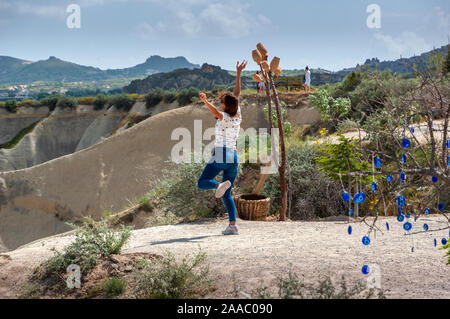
point(17, 71)
point(400, 66)
point(204, 78)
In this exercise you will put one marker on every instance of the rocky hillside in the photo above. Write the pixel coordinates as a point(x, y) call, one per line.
point(204, 79)
point(16, 71)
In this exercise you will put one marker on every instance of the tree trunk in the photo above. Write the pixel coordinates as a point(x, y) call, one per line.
point(282, 168)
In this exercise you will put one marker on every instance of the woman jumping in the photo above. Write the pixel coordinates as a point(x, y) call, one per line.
point(224, 157)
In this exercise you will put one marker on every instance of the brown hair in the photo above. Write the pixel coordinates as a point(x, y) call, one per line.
point(230, 101)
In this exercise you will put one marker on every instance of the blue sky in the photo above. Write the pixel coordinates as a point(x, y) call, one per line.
point(331, 34)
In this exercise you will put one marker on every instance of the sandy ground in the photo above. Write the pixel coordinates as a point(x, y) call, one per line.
point(263, 250)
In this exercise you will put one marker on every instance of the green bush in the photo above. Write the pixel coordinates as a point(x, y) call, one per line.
point(93, 240)
point(2, 104)
point(51, 101)
point(166, 279)
point(179, 186)
point(121, 102)
point(67, 102)
point(114, 286)
point(185, 96)
point(86, 100)
point(170, 97)
point(312, 194)
point(11, 106)
point(154, 97)
point(29, 103)
point(100, 101)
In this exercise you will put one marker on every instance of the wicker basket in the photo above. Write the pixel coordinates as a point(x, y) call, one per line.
point(252, 206)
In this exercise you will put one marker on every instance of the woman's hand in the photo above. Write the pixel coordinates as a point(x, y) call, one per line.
point(202, 97)
point(240, 67)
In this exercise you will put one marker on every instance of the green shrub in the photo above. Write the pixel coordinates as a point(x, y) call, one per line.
point(2, 104)
point(114, 286)
point(179, 186)
point(86, 100)
point(29, 103)
point(312, 194)
point(100, 101)
point(11, 106)
point(121, 102)
point(169, 97)
point(93, 240)
point(154, 97)
point(447, 254)
point(166, 279)
point(51, 101)
point(67, 102)
point(185, 96)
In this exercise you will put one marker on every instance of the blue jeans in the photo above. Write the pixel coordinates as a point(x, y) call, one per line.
point(226, 160)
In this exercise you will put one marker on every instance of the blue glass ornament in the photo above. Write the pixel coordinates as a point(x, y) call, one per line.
point(412, 249)
point(402, 176)
point(350, 212)
point(434, 179)
point(448, 160)
point(400, 218)
point(365, 269)
point(400, 200)
point(366, 240)
point(389, 178)
point(441, 206)
point(387, 225)
point(408, 215)
point(425, 227)
point(349, 230)
point(346, 196)
point(377, 162)
point(444, 241)
point(412, 130)
point(373, 186)
point(448, 143)
point(403, 158)
point(426, 211)
point(435, 242)
point(407, 226)
point(415, 217)
point(406, 143)
point(359, 197)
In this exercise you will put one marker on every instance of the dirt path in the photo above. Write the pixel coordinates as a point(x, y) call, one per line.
point(265, 249)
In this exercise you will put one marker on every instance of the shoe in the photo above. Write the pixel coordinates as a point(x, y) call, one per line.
point(230, 230)
point(222, 188)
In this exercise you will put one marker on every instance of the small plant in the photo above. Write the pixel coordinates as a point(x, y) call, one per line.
point(51, 101)
point(121, 102)
point(330, 109)
point(447, 254)
point(166, 279)
point(11, 106)
point(114, 286)
point(154, 97)
point(67, 102)
point(93, 240)
point(100, 101)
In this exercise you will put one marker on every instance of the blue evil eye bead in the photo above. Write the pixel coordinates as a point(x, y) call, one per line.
point(403, 158)
point(411, 129)
point(426, 211)
point(441, 206)
point(435, 242)
point(434, 179)
point(359, 198)
point(407, 226)
point(400, 218)
point(389, 178)
point(444, 241)
point(448, 143)
point(377, 162)
point(406, 143)
point(366, 240)
point(373, 186)
point(408, 215)
point(350, 212)
point(448, 160)
point(402, 176)
point(349, 230)
point(346, 197)
point(400, 200)
point(425, 227)
point(365, 269)
point(412, 249)
point(387, 225)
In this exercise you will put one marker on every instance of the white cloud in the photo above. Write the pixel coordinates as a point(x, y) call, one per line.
point(208, 18)
point(440, 19)
point(406, 44)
